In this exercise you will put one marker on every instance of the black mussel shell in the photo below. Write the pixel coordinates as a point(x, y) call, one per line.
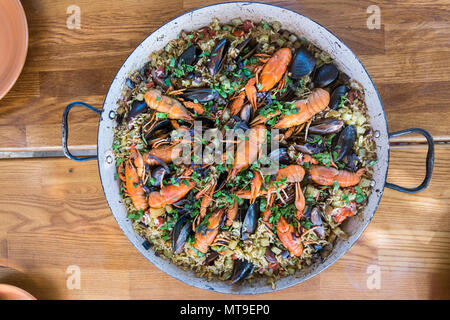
point(317, 222)
point(158, 173)
point(309, 148)
point(206, 122)
point(250, 221)
point(217, 57)
point(189, 56)
point(345, 142)
point(351, 158)
point(137, 107)
point(246, 112)
point(307, 212)
point(246, 48)
point(287, 93)
point(163, 126)
point(201, 95)
point(326, 126)
point(270, 256)
point(325, 75)
point(213, 255)
point(243, 210)
point(315, 217)
point(242, 269)
point(119, 118)
point(285, 254)
point(241, 125)
point(147, 245)
point(181, 232)
point(280, 155)
point(335, 99)
point(303, 64)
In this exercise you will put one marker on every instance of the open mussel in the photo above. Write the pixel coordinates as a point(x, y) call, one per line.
point(181, 232)
point(250, 221)
point(325, 75)
point(217, 57)
point(159, 77)
point(205, 123)
point(270, 256)
point(317, 222)
point(287, 94)
point(242, 270)
point(336, 96)
point(162, 127)
point(279, 155)
point(158, 175)
point(246, 48)
point(240, 125)
point(351, 160)
point(246, 112)
point(189, 56)
point(309, 148)
point(345, 142)
point(201, 95)
point(303, 64)
point(326, 126)
point(137, 107)
point(211, 257)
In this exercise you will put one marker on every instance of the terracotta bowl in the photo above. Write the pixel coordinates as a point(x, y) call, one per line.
point(8, 292)
point(13, 43)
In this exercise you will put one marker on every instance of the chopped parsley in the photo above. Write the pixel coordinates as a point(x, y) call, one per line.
point(136, 216)
point(345, 198)
point(323, 157)
point(162, 115)
point(360, 195)
point(335, 185)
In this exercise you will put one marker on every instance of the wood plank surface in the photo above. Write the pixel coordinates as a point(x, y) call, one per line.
point(407, 59)
point(53, 215)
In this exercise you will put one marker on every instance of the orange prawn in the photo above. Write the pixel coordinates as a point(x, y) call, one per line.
point(266, 214)
point(205, 237)
point(294, 173)
point(250, 92)
point(232, 213)
point(260, 119)
point(161, 103)
point(274, 69)
point(138, 161)
point(248, 150)
point(288, 238)
point(166, 153)
point(317, 101)
point(169, 194)
point(133, 187)
point(197, 107)
point(255, 186)
point(326, 176)
point(237, 103)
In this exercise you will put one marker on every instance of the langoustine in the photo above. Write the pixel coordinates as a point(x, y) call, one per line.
point(326, 176)
point(317, 101)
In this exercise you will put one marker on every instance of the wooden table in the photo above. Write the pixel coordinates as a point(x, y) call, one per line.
point(53, 213)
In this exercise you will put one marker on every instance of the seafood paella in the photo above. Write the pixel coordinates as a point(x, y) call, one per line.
point(241, 148)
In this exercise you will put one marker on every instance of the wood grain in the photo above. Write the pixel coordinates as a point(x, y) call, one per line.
point(407, 59)
point(53, 214)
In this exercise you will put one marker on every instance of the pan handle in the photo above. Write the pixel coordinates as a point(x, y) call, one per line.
point(65, 130)
point(429, 161)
